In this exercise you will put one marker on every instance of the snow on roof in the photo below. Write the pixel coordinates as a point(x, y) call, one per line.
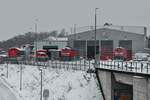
point(119, 47)
point(66, 48)
point(57, 38)
point(2, 55)
point(21, 49)
point(141, 54)
point(131, 29)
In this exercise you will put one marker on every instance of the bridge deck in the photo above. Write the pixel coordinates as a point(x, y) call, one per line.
point(138, 68)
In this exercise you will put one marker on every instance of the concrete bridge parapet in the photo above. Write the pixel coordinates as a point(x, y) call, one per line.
point(112, 82)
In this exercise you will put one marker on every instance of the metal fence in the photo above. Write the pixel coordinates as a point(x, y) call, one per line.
point(125, 66)
point(83, 65)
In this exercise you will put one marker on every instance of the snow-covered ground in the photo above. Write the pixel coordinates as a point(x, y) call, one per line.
point(5, 93)
point(62, 84)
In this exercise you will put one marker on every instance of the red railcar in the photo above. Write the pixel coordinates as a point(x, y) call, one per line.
point(68, 54)
point(120, 53)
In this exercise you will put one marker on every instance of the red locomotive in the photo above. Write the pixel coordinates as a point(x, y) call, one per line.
point(13, 52)
point(16, 52)
point(120, 53)
point(41, 55)
point(67, 54)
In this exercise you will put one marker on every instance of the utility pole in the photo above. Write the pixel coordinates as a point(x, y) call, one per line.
point(95, 35)
point(75, 31)
point(36, 26)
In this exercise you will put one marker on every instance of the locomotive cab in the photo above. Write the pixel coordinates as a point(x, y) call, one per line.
point(120, 53)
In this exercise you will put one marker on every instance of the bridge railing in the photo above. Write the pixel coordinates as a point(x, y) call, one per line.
point(127, 66)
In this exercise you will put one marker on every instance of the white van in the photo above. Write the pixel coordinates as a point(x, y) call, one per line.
point(141, 56)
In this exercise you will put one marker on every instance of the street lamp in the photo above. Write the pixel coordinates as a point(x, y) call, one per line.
point(41, 84)
point(95, 35)
point(21, 77)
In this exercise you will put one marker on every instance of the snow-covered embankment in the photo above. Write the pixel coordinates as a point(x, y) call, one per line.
point(62, 84)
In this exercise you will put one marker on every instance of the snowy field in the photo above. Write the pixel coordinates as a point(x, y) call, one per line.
point(62, 84)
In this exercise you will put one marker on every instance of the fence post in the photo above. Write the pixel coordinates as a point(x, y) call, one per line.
point(84, 64)
point(7, 69)
point(68, 65)
point(56, 63)
point(76, 65)
point(51, 63)
point(89, 64)
point(80, 64)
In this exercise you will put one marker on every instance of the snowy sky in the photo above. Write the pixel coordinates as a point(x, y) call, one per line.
point(18, 16)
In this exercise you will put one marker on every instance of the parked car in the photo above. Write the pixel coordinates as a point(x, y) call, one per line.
point(141, 56)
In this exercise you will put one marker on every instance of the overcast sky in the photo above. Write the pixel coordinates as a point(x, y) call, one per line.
point(18, 16)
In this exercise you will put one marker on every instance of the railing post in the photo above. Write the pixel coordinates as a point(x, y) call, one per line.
point(89, 65)
point(118, 65)
point(136, 66)
point(131, 66)
point(126, 66)
point(100, 64)
point(147, 67)
point(122, 65)
point(141, 67)
point(108, 65)
point(114, 65)
point(111, 65)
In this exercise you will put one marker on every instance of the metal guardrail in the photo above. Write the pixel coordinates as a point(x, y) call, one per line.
point(125, 66)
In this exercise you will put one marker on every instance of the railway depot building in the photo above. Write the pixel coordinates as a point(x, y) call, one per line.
point(106, 40)
point(52, 45)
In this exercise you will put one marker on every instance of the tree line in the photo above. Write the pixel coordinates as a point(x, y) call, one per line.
point(29, 38)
